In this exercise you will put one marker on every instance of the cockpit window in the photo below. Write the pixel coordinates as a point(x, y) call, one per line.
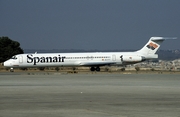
point(14, 57)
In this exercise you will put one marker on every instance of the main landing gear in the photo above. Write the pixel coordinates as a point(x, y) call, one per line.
point(95, 68)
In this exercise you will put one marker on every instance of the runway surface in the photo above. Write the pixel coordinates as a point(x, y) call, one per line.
point(90, 95)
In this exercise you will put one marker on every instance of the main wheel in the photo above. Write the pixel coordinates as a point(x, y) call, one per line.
point(98, 69)
point(92, 69)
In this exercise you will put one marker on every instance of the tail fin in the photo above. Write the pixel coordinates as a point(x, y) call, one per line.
point(153, 45)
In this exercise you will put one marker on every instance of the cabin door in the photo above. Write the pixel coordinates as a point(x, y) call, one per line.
point(20, 59)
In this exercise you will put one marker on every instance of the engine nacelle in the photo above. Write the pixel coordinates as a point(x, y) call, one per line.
point(133, 59)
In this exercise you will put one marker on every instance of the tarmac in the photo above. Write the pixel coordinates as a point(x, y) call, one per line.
point(89, 95)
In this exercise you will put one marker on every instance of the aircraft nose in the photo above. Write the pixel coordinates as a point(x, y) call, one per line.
point(6, 64)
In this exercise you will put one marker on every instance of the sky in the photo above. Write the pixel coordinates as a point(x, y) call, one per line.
point(90, 24)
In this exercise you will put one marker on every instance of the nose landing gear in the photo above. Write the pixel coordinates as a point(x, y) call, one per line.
point(11, 69)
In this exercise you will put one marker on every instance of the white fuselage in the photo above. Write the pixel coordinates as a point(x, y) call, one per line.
point(74, 59)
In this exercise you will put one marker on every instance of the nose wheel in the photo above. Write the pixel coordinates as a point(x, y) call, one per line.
point(11, 69)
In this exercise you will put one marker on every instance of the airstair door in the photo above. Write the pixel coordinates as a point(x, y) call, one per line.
point(20, 59)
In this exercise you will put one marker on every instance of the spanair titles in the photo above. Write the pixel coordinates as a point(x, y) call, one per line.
point(42, 59)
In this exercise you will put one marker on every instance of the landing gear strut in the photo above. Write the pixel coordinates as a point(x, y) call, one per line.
point(95, 68)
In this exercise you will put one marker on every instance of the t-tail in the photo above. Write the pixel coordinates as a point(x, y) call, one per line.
point(150, 49)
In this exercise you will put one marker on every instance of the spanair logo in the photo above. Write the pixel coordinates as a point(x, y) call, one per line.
point(152, 46)
point(42, 59)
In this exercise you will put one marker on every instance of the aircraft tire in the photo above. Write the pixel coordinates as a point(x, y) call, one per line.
point(98, 69)
point(92, 69)
point(11, 70)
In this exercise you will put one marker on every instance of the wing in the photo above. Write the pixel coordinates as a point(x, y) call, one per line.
point(95, 63)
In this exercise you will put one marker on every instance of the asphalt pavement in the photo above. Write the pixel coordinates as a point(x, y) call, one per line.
point(89, 95)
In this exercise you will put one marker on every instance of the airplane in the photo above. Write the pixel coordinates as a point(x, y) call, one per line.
point(94, 60)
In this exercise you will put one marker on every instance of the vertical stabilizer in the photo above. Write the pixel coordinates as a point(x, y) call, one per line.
point(153, 45)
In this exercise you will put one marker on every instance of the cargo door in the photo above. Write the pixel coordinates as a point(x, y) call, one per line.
point(114, 57)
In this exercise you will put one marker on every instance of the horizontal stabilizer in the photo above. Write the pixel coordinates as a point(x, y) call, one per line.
point(161, 38)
